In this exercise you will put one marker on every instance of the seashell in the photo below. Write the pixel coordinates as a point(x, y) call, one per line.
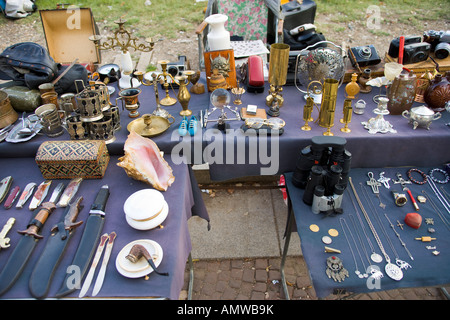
point(143, 161)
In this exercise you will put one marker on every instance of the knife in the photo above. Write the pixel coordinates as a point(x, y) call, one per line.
point(12, 197)
point(102, 271)
point(90, 275)
point(69, 192)
point(5, 184)
point(87, 245)
point(40, 194)
point(44, 269)
point(26, 194)
point(22, 252)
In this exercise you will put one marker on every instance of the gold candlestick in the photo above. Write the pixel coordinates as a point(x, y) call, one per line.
point(347, 115)
point(307, 110)
point(167, 100)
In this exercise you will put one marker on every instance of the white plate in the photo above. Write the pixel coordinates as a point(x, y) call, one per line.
point(141, 268)
point(144, 204)
point(152, 223)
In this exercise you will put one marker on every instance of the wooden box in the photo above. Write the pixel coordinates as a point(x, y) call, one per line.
point(67, 33)
point(71, 159)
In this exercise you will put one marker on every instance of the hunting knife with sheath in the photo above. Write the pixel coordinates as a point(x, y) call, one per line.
point(48, 262)
point(88, 242)
point(19, 257)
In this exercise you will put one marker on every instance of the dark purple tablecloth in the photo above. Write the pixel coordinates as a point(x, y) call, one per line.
point(419, 147)
point(174, 238)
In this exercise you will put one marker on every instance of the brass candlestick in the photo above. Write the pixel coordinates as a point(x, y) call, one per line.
point(307, 110)
point(328, 105)
point(167, 100)
point(347, 115)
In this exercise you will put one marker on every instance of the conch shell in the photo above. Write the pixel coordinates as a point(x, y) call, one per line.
point(143, 161)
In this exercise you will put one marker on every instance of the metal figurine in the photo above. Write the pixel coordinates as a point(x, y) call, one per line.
point(307, 111)
point(4, 241)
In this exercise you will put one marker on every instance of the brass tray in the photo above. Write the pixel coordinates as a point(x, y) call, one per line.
point(157, 126)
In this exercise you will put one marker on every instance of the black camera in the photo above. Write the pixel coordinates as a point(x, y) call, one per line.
point(416, 52)
point(439, 41)
point(177, 68)
point(364, 56)
point(394, 46)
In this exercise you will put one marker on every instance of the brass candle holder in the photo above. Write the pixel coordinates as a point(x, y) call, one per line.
point(167, 100)
point(347, 115)
point(307, 111)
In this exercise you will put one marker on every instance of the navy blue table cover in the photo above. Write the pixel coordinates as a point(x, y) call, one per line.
point(426, 269)
point(174, 238)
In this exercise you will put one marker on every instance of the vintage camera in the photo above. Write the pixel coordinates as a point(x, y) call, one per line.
point(394, 46)
point(177, 68)
point(324, 151)
point(439, 41)
point(364, 56)
point(416, 52)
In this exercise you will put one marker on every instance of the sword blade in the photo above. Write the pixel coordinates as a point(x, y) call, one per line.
point(16, 262)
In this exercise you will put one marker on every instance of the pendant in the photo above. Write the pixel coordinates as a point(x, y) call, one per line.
point(402, 264)
point(393, 271)
point(375, 273)
point(376, 257)
point(335, 269)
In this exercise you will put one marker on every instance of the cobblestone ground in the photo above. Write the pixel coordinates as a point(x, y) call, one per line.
point(260, 279)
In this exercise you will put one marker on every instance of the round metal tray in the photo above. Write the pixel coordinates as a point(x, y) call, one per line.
point(157, 126)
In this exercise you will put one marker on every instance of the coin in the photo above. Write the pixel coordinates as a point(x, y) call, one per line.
point(326, 239)
point(314, 228)
point(333, 232)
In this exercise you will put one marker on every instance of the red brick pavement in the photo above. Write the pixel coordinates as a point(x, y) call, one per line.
point(260, 279)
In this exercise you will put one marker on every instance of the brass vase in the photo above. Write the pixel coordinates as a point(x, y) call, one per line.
point(278, 66)
point(328, 105)
point(183, 95)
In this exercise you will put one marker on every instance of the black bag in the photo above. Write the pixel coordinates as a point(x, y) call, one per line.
point(28, 62)
point(304, 42)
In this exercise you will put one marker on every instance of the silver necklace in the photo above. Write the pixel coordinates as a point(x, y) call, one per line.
point(358, 273)
point(375, 257)
point(392, 270)
point(398, 236)
point(401, 263)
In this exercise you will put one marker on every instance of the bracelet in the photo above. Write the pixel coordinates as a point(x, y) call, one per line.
point(424, 176)
point(447, 177)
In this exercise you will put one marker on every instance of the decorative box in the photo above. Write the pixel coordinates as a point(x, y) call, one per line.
point(71, 159)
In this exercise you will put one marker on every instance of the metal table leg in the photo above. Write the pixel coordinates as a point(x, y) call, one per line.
point(191, 276)
point(287, 235)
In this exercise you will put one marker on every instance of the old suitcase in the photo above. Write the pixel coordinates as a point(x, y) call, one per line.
point(70, 159)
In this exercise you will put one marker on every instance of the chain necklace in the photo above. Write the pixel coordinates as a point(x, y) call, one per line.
point(440, 197)
point(402, 264)
point(377, 258)
point(358, 273)
point(398, 236)
point(392, 270)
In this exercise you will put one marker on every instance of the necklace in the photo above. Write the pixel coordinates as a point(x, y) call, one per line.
point(398, 236)
point(377, 258)
point(402, 264)
point(392, 270)
point(440, 197)
point(358, 273)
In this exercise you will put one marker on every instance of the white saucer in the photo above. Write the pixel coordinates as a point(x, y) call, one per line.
point(141, 268)
point(151, 223)
point(144, 204)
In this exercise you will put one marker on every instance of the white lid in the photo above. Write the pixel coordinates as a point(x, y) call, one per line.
point(144, 204)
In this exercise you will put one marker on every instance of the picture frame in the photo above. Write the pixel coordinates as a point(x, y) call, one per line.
point(224, 61)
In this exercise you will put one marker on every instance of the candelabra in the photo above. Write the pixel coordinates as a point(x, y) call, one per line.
point(123, 40)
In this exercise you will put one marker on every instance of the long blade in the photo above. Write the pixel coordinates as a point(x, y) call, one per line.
point(102, 271)
point(16, 262)
point(90, 275)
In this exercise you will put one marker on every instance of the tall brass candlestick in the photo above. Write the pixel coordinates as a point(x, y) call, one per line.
point(347, 115)
point(328, 105)
point(278, 65)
